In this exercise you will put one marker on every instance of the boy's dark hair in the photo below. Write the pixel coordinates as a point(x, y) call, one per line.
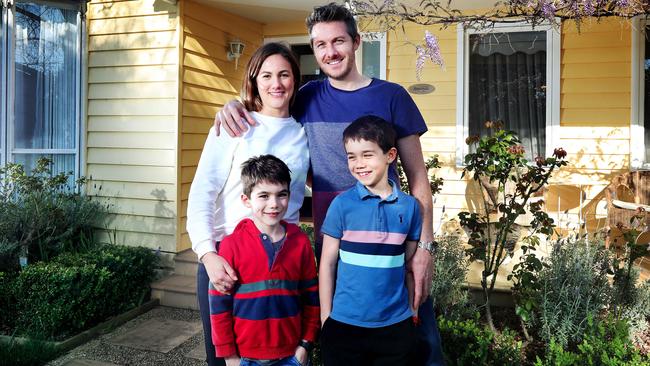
point(264, 168)
point(333, 12)
point(371, 128)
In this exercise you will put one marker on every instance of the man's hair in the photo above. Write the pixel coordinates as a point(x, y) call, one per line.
point(333, 12)
point(371, 128)
point(250, 95)
point(264, 168)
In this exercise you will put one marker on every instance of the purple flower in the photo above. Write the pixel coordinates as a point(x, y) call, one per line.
point(622, 3)
point(430, 50)
point(588, 7)
point(548, 9)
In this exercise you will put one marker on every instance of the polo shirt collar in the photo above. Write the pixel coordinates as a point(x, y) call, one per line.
point(365, 193)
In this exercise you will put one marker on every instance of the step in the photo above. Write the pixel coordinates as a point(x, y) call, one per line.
point(176, 291)
point(186, 263)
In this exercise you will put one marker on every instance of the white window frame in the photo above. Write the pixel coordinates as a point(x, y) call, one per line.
point(373, 37)
point(365, 36)
point(8, 72)
point(637, 136)
point(3, 80)
point(553, 50)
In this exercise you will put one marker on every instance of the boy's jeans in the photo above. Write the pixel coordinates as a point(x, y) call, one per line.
point(289, 361)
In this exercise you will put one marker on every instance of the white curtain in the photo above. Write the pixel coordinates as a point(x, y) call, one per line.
point(507, 83)
point(46, 56)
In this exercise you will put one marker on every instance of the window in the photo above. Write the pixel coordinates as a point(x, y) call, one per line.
point(371, 56)
point(640, 126)
point(41, 113)
point(509, 73)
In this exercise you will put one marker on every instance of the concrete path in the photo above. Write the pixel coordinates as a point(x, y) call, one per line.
point(162, 336)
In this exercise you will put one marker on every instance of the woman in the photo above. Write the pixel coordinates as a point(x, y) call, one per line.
point(214, 205)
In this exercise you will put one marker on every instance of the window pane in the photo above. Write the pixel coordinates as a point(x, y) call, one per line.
point(371, 60)
point(46, 77)
point(61, 163)
point(507, 82)
point(646, 101)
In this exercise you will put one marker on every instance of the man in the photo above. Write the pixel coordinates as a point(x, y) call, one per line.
point(325, 108)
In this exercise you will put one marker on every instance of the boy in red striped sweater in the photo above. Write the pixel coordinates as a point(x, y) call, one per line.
point(271, 317)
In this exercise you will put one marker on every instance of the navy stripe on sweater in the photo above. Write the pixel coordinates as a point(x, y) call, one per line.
point(261, 308)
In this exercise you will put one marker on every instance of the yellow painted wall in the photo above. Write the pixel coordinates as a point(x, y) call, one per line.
point(132, 118)
point(208, 81)
point(595, 103)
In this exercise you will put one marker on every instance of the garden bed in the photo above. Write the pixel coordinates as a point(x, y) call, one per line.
point(85, 336)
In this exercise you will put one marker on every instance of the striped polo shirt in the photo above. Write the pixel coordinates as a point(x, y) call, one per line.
point(370, 280)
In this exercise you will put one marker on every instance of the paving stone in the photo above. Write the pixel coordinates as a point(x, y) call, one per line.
point(198, 352)
point(159, 335)
point(85, 362)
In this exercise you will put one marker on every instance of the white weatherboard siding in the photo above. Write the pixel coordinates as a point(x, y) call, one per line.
point(133, 119)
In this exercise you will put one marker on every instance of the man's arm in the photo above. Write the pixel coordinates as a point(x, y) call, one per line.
point(411, 246)
point(234, 118)
point(327, 275)
point(410, 153)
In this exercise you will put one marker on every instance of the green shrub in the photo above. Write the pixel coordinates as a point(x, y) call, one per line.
point(466, 342)
point(448, 291)
point(573, 287)
point(43, 215)
point(57, 301)
point(7, 301)
point(605, 342)
point(78, 291)
point(30, 353)
point(134, 267)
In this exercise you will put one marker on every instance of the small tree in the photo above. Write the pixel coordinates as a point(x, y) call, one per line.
point(511, 180)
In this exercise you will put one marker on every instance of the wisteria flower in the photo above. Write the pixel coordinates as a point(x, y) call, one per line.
point(548, 9)
point(430, 50)
point(588, 7)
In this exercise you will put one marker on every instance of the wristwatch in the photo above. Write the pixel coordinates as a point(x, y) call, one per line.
point(429, 246)
point(307, 345)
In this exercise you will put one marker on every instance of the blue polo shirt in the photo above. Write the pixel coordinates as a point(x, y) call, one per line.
point(370, 280)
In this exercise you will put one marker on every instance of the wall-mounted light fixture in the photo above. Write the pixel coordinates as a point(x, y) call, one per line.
point(235, 51)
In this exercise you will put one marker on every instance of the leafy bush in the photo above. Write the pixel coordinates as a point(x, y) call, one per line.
point(29, 353)
point(573, 287)
point(466, 342)
point(134, 266)
point(77, 291)
point(7, 301)
point(448, 289)
point(55, 300)
point(42, 215)
point(605, 342)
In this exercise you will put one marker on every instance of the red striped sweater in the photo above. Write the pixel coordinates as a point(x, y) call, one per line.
point(272, 309)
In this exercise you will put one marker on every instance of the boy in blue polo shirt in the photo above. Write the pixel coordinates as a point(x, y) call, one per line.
point(370, 232)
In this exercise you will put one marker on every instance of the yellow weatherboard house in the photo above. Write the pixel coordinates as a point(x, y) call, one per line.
point(144, 79)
